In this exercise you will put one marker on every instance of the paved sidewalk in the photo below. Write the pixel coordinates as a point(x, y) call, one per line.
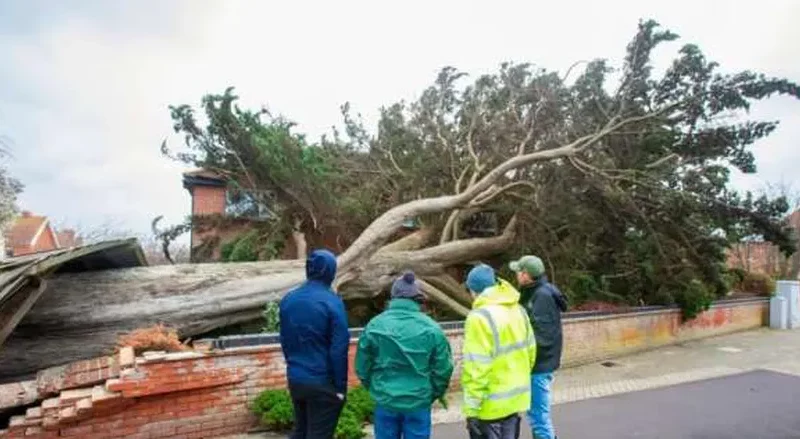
point(687, 362)
point(725, 356)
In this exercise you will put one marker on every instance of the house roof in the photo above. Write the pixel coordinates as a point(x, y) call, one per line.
point(23, 278)
point(67, 238)
point(202, 177)
point(26, 229)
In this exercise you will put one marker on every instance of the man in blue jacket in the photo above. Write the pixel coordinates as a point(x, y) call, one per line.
point(315, 342)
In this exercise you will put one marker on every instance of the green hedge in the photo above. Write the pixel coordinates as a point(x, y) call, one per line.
point(274, 408)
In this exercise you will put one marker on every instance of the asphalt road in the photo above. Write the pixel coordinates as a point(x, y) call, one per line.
point(753, 405)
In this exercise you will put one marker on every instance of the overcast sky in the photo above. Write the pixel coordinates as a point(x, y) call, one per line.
point(85, 85)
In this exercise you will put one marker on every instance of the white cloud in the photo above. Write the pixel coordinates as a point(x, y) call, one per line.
point(84, 92)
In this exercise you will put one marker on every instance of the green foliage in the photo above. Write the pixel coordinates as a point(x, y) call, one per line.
point(227, 249)
point(272, 320)
point(737, 275)
point(361, 403)
point(254, 245)
point(640, 216)
point(758, 283)
point(350, 425)
point(694, 299)
point(581, 287)
point(244, 249)
point(274, 408)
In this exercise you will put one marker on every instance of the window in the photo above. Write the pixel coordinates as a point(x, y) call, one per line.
point(245, 204)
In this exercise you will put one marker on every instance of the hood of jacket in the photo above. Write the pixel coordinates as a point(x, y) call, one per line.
point(321, 266)
point(502, 293)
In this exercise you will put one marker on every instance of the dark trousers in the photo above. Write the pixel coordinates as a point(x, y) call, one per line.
point(506, 428)
point(316, 411)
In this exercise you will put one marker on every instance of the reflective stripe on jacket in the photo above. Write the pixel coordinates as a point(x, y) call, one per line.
point(499, 354)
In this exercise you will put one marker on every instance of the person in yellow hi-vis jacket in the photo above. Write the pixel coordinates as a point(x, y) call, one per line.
point(498, 356)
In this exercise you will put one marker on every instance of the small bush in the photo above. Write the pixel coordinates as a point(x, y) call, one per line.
point(272, 318)
point(245, 249)
point(758, 283)
point(693, 300)
point(350, 426)
point(154, 338)
point(581, 287)
point(361, 403)
point(275, 409)
point(737, 274)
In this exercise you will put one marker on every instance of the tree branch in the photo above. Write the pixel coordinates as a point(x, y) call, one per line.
point(442, 298)
point(482, 201)
point(373, 237)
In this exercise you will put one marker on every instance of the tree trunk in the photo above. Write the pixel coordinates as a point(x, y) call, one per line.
point(82, 315)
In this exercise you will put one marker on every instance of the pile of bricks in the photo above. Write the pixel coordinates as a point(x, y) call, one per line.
point(160, 395)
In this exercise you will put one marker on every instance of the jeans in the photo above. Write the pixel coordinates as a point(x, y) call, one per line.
point(539, 413)
point(507, 428)
point(316, 411)
point(395, 425)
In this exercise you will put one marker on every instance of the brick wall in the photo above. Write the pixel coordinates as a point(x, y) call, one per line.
point(206, 394)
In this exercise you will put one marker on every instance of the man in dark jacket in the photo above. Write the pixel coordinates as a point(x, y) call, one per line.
point(404, 361)
point(544, 304)
point(315, 342)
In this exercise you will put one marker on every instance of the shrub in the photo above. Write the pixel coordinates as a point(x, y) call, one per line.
point(154, 338)
point(244, 250)
point(272, 318)
point(737, 274)
point(581, 287)
point(275, 409)
point(758, 283)
point(694, 299)
point(350, 426)
point(361, 403)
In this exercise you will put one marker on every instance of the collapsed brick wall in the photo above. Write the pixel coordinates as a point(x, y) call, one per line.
point(207, 394)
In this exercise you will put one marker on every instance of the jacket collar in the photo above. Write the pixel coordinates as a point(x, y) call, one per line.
point(404, 305)
point(533, 286)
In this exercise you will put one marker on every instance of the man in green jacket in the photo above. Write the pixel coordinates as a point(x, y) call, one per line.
point(404, 359)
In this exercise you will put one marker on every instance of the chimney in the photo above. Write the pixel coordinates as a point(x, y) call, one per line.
point(26, 214)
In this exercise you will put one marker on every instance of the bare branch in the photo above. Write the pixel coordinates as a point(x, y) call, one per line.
point(442, 298)
point(394, 162)
point(482, 201)
point(569, 70)
point(663, 160)
point(461, 179)
point(470, 145)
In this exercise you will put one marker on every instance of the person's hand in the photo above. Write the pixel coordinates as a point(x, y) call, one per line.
point(443, 401)
point(340, 396)
point(474, 427)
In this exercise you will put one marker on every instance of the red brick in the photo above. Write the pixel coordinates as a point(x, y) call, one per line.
point(79, 431)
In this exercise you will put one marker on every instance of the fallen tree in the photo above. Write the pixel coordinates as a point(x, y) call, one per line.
point(637, 168)
point(82, 315)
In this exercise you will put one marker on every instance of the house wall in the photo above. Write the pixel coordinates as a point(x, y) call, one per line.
point(207, 394)
point(211, 200)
